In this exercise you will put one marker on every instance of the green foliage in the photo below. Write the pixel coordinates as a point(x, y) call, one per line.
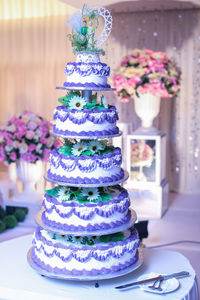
point(65, 150)
point(10, 216)
point(52, 192)
point(10, 210)
point(10, 221)
point(20, 215)
point(115, 237)
point(2, 226)
point(79, 42)
point(2, 212)
point(25, 209)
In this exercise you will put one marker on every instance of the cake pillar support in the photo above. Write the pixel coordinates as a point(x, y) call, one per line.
point(87, 95)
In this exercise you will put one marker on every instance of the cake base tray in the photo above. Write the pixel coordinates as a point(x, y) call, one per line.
point(126, 175)
point(38, 219)
point(88, 137)
point(123, 272)
point(75, 88)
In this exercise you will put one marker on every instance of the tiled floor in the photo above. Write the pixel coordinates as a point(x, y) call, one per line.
point(181, 222)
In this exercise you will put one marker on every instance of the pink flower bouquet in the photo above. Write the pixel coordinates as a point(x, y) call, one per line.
point(145, 71)
point(26, 136)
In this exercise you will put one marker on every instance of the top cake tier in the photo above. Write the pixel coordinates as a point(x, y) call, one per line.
point(88, 72)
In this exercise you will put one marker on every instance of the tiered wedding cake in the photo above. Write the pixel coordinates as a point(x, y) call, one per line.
point(85, 224)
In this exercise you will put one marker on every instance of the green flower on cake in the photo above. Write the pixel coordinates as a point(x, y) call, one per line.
point(95, 146)
point(63, 194)
point(90, 193)
point(78, 148)
point(77, 102)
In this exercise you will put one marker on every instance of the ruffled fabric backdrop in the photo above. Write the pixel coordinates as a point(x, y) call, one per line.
point(34, 50)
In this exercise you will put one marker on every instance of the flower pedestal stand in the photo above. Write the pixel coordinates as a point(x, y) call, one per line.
point(29, 174)
point(147, 107)
point(147, 184)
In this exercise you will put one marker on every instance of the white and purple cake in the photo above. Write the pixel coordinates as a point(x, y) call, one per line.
point(84, 256)
point(86, 209)
point(85, 123)
point(85, 162)
point(87, 72)
point(87, 203)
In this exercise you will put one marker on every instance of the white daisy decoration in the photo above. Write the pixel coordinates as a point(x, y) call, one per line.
point(64, 193)
point(90, 193)
point(77, 102)
point(78, 148)
point(95, 146)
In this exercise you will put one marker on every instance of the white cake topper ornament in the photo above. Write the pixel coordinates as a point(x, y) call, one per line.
point(83, 24)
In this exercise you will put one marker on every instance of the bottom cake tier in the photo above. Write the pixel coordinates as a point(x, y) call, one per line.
point(84, 256)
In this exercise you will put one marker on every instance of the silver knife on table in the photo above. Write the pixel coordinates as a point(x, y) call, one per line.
point(160, 277)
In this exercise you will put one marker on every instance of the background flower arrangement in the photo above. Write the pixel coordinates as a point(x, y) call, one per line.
point(145, 71)
point(26, 136)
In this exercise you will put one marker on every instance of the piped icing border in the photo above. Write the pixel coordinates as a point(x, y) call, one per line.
point(86, 163)
point(103, 247)
point(83, 272)
point(84, 180)
point(86, 85)
point(88, 227)
point(97, 252)
point(87, 69)
point(67, 133)
point(95, 116)
point(88, 210)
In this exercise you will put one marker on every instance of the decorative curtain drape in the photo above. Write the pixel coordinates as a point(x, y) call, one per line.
point(35, 48)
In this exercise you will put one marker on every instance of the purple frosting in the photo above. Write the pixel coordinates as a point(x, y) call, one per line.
point(96, 252)
point(74, 272)
point(86, 85)
point(84, 180)
point(88, 227)
point(110, 245)
point(87, 69)
point(95, 210)
point(95, 116)
point(67, 133)
point(69, 163)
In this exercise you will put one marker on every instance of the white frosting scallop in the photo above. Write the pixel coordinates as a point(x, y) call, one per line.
point(77, 78)
point(87, 57)
point(83, 211)
point(56, 262)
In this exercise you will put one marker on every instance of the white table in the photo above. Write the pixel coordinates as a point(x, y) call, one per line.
point(19, 281)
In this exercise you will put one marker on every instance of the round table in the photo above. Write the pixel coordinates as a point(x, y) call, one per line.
point(19, 281)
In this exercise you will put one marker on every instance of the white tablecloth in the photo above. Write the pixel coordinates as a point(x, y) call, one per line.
point(18, 281)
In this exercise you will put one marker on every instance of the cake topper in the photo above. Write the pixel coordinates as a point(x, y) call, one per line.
point(84, 24)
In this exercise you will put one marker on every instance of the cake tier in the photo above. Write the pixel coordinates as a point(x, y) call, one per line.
point(87, 72)
point(75, 216)
point(84, 256)
point(85, 169)
point(85, 123)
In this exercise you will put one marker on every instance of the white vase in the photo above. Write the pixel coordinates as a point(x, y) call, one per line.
point(147, 107)
point(29, 174)
point(12, 175)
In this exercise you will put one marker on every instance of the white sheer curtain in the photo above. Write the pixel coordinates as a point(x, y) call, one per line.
point(177, 33)
point(34, 50)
